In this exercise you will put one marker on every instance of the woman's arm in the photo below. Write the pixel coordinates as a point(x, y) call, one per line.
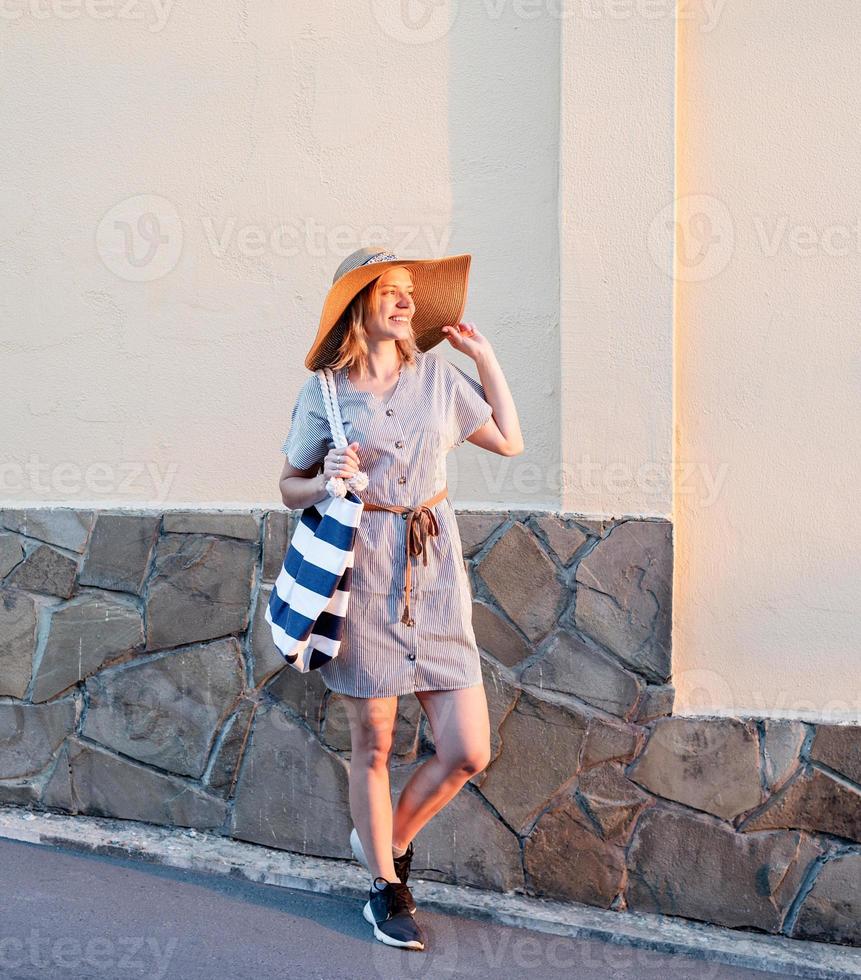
point(301, 488)
point(500, 434)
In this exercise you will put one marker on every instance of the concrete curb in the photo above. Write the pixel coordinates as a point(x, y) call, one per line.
point(193, 850)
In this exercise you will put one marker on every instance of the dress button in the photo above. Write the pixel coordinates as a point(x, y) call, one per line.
point(390, 411)
point(399, 444)
point(402, 479)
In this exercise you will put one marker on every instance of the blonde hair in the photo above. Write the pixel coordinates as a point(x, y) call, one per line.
point(353, 347)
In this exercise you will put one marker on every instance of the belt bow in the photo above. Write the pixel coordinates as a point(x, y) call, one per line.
point(422, 523)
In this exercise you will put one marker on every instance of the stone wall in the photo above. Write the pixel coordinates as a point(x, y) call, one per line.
point(138, 680)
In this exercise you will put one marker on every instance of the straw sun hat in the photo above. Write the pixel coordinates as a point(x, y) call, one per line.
point(439, 296)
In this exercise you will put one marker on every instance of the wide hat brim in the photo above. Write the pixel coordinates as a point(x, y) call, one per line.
point(440, 287)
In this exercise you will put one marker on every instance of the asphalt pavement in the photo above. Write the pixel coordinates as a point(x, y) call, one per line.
point(78, 916)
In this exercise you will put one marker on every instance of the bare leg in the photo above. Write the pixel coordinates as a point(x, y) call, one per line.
point(461, 731)
point(372, 722)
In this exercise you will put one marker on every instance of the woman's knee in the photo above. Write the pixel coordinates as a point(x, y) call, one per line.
point(468, 760)
point(372, 749)
point(372, 735)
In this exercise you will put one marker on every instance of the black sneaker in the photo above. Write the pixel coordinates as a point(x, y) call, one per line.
point(402, 863)
point(388, 911)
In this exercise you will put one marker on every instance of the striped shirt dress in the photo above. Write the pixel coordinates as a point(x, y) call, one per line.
point(403, 443)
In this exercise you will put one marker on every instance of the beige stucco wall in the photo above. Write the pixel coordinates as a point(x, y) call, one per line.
point(616, 182)
point(155, 360)
point(269, 140)
point(768, 583)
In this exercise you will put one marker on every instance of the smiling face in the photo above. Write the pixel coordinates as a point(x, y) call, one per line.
point(392, 306)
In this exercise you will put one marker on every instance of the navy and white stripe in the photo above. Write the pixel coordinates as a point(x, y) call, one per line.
point(309, 601)
point(433, 408)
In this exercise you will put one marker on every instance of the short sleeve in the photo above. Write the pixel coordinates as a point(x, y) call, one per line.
point(467, 408)
point(309, 438)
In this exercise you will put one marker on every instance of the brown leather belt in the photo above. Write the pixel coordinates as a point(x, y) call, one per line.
point(421, 523)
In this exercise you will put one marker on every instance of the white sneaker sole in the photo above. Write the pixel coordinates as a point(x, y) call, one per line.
point(383, 938)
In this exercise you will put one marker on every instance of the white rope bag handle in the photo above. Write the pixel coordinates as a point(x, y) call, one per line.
point(336, 486)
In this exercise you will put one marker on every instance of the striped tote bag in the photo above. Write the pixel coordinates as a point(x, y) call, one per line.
point(308, 603)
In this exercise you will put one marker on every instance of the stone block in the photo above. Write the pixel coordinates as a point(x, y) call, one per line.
point(83, 635)
point(166, 711)
point(693, 865)
point(335, 725)
point(524, 582)
point(597, 529)
point(89, 779)
point(265, 656)
point(813, 800)
point(19, 617)
point(574, 667)
point(200, 589)
point(657, 702)
point(61, 526)
point(30, 735)
point(45, 570)
point(11, 553)
point(566, 860)
point(611, 800)
point(624, 595)
point(242, 526)
point(19, 792)
point(119, 553)
point(407, 720)
point(497, 636)
point(710, 764)
point(831, 911)
point(288, 780)
point(475, 529)
point(839, 748)
point(229, 752)
point(277, 528)
point(564, 539)
point(302, 693)
point(609, 740)
point(541, 744)
point(782, 741)
point(501, 696)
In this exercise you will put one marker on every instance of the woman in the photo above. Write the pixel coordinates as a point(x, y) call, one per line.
point(408, 627)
